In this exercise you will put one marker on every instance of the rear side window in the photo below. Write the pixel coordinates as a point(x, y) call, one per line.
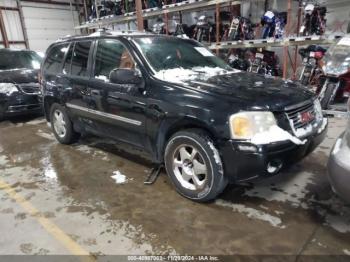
point(80, 58)
point(54, 59)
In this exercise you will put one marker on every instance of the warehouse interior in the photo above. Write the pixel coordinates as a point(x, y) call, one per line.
point(96, 165)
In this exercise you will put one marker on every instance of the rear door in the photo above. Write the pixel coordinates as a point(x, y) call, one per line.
point(76, 75)
point(52, 70)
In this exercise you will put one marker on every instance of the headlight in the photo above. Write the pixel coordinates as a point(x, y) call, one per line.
point(246, 125)
point(318, 110)
point(7, 88)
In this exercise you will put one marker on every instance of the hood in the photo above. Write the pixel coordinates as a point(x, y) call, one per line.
point(258, 91)
point(19, 76)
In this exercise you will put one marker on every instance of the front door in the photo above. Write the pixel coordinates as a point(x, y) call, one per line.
point(118, 109)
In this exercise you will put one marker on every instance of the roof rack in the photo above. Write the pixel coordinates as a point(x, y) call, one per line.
point(106, 31)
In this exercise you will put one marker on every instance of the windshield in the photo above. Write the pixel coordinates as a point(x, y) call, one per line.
point(176, 59)
point(10, 60)
point(337, 58)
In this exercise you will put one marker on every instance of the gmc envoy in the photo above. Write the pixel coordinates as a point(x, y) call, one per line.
point(171, 98)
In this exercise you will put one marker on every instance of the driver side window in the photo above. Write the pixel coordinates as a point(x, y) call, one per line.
point(111, 54)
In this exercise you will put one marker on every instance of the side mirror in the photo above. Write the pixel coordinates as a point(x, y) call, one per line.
point(124, 76)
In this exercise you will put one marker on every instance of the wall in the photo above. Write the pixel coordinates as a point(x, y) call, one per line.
point(44, 23)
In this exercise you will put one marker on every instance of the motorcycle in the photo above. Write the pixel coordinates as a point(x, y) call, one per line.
point(106, 8)
point(118, 7)
point(241, 28)
point(311, 72)
point(314, 22)
point(238, 60)
point(281, 21)
point(265, 62)
point(204, 30)
point(274, 24)
point(336, 87)
point(182, 30)
point(268, 21)
point(159, 27)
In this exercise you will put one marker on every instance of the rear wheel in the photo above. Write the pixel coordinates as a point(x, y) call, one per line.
point(194, 165)
point(61, 125)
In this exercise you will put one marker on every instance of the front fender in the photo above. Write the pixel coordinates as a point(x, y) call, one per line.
point(170, 126)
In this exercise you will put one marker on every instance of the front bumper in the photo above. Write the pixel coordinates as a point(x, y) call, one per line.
point(241, 163)
point(19, 104)
point(339, 169)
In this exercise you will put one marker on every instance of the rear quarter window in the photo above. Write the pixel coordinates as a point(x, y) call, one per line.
point(53, 62)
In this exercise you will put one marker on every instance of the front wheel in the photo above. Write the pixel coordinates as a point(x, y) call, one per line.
point(194, 165)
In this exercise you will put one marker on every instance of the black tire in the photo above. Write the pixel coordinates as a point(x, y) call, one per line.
point(214, 182)
point(70, 135)
point(327, 97)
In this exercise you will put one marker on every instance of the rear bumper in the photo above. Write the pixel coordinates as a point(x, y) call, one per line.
point(242, 164)
point(339, 170)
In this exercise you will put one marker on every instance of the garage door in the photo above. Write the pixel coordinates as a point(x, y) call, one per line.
point(45, 23)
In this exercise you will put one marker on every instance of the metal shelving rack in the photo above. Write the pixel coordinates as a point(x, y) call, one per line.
point(187, 6)
point(289, 41)
point(197, 5)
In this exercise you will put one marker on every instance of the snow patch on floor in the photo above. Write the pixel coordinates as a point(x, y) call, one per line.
point(36, 122)
point(3, 161)
point(336, 213)
point(119, 178)
point(291, 190)
point(93, 151)
point(252, 213)
point(84, 149)
point(339, 223)
point(346, 252)
point(49, 171)
point(48, 136)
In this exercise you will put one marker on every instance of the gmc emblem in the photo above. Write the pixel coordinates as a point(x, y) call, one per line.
point(306, 117)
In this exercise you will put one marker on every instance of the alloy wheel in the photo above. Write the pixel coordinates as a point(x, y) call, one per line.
point(189, 167)
point(59, 123)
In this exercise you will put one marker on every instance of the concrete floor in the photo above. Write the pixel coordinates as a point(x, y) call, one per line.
point(58, 199)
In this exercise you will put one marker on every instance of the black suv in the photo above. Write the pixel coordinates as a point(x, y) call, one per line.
point(19, 86)
point(173, 99)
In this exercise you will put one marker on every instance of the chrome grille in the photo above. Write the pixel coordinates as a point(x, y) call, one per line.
point(30, 88)
point(295, 115)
